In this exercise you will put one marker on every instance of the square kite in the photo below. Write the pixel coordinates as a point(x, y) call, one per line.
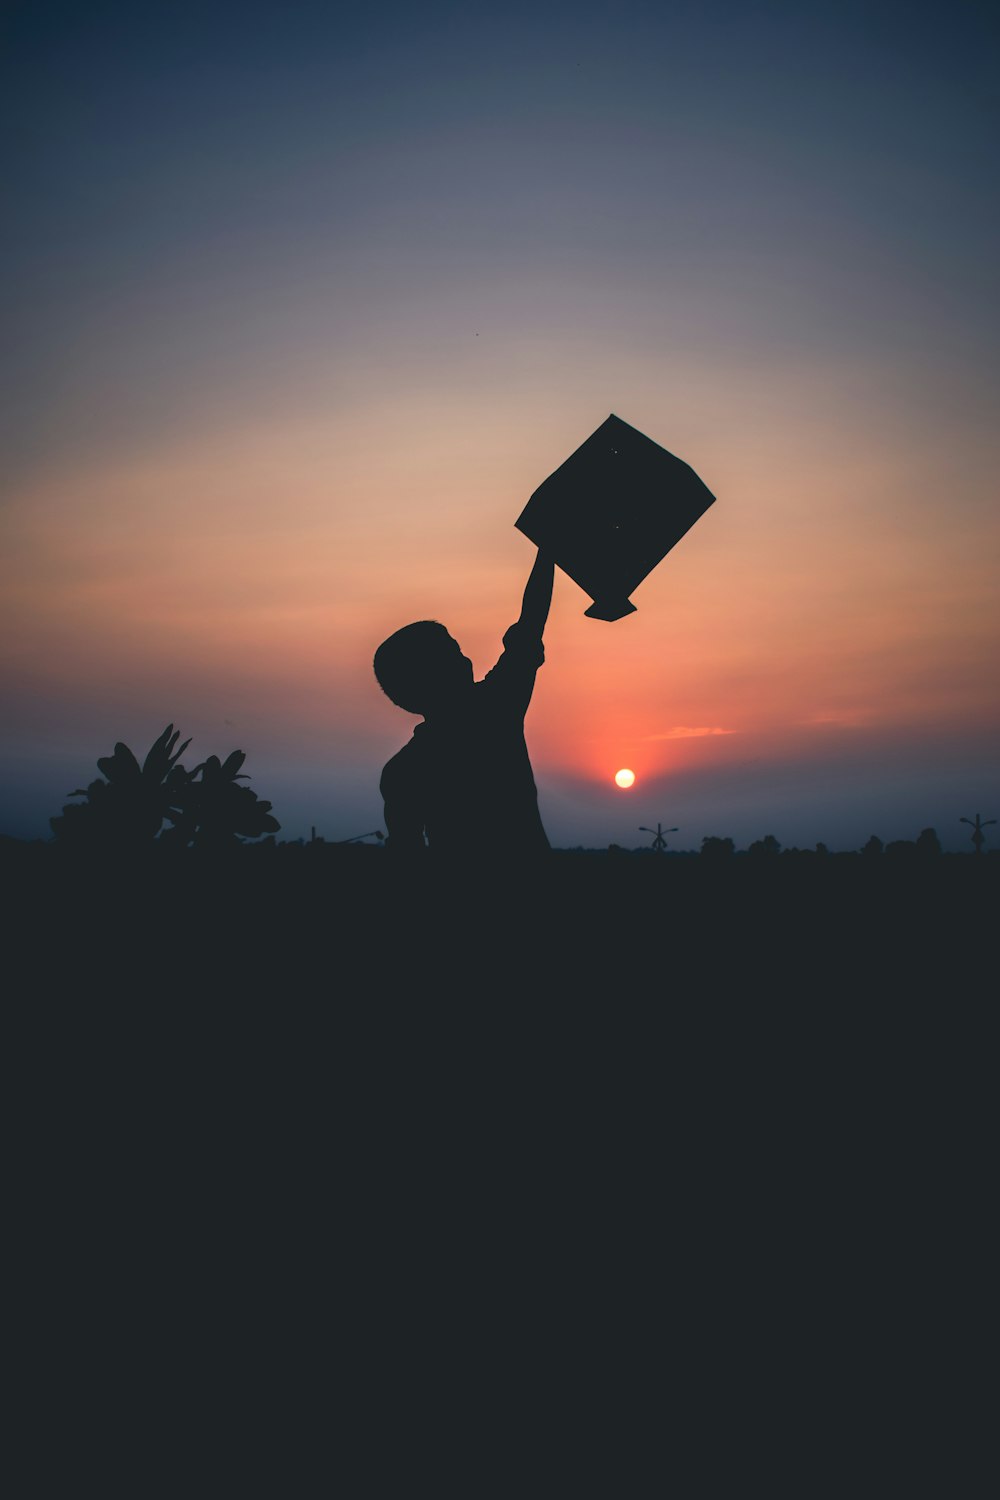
point(612, 511)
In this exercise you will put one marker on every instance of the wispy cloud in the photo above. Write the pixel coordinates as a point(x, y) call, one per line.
point(682, 732)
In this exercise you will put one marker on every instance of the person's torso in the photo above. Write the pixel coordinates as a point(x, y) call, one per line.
point(471, 775)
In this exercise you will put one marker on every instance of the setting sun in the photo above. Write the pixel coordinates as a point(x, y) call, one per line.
point(624, 778)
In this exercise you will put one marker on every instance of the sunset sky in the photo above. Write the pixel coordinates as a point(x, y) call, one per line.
point(301, 302)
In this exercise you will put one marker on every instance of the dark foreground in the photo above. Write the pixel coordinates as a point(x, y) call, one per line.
point(292, 925)
point(653, 977)
point(717, 1138)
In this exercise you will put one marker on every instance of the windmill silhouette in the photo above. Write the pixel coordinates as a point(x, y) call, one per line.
point(659, 842)
point(978, 837)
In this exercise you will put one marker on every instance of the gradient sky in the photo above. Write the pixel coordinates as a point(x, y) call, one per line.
point(301, 302)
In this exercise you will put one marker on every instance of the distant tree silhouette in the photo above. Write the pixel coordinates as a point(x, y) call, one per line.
point(873, 846)
point(767, 845)
point(127, 810)
point(926, 845)
point(716, 847)
point(822, 849)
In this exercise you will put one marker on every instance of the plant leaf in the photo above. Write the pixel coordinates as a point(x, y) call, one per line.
point(158, 750)
point(122, 766)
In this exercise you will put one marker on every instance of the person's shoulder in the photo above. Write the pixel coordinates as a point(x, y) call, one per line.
point(510, 683)
point(521, 641)
point(522, 637)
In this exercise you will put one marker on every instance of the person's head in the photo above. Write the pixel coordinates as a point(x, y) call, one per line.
point(421, 668)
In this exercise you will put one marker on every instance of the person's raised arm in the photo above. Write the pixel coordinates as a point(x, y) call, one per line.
point(513, 678)
point(538, 594)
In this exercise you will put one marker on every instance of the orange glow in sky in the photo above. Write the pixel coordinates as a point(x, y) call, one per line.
point(237, 583)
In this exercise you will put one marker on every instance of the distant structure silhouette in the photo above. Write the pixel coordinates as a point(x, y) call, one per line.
point(978, 837)
point(467, 763)
point(659, 842)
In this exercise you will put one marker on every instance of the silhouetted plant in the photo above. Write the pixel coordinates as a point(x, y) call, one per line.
point(873, 846)
point(928, 842)
point(716, 847)
point(767, 845)
point(217, 812)
point(128, 809)
point(901, 848)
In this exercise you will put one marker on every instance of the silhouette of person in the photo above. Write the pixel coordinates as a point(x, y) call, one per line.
point(464, 780)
